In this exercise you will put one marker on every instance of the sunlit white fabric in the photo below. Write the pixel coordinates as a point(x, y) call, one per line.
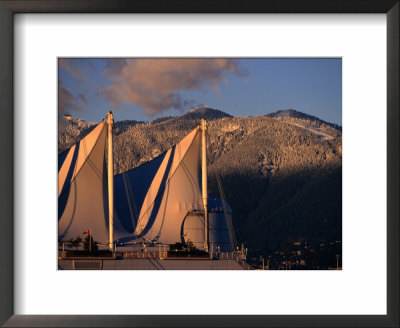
point(82, 189)
point(154, 202)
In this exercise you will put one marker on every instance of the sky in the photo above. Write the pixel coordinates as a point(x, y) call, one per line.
point(143, 89)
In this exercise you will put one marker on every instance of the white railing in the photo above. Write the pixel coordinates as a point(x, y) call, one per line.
point(145, 254)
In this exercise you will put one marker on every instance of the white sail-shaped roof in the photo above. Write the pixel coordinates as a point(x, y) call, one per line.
point(82, 188)
point(159, 201)
point(157, 195)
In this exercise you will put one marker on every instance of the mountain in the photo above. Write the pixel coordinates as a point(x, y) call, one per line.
point(204, 111)
point(282, 172)
point(294, 114)
point(71, 130)
point(196, 113)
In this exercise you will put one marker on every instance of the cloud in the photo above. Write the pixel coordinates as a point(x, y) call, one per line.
point(73, 67)
point(83, 100)
point(79, 69)
point(155, 84)
point(67, 102)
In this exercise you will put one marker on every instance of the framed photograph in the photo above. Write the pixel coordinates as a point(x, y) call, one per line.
point(214, 133)
point(192, 187)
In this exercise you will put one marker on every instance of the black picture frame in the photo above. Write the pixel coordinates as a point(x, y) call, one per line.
point(10, 7)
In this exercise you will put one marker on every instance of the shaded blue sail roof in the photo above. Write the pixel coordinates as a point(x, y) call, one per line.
point(130, 190)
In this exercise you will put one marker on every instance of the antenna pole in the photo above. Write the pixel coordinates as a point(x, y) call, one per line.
point(110, 121)
point(204, 180)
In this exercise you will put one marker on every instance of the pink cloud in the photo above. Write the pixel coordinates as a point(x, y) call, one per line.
point(155, 84)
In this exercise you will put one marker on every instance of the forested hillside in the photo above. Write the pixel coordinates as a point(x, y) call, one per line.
point(281, 172)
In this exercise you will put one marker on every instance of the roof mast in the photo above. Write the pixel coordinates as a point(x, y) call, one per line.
point(110, 121)
point(204, 181)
